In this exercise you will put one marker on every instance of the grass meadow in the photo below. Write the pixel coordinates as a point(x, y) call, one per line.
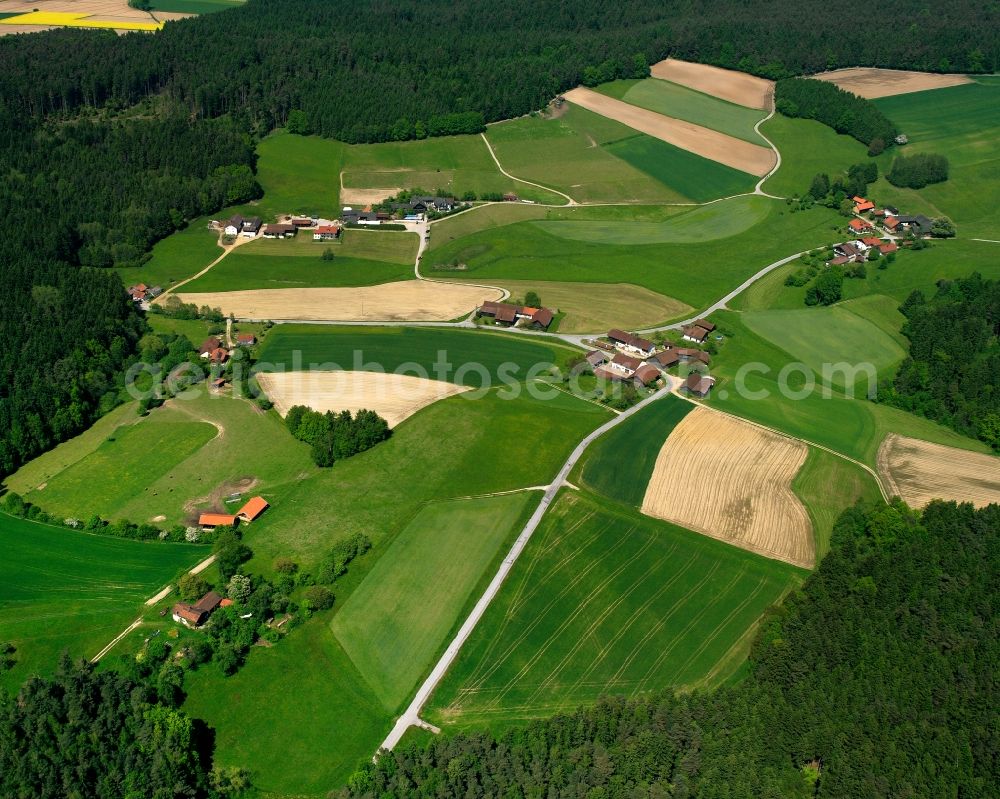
point(398, 619)
point(389, 348)
point(62, 590)
point(808, 147)
point(178, 460)
point(453, 164)
point(827, 486)
point(619, 464)
point(695, 272)
point(680, 102)
point(299, 175)
point(843, 332)
point(605, 601)
point(852, 426)
point(963, 124)
point(299, 715)
point(177, 257)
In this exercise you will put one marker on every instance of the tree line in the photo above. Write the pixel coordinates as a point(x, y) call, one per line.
point(841, 110)
point(875, 679)
point(952, 373)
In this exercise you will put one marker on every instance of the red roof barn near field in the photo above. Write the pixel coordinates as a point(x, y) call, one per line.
point(254, 508)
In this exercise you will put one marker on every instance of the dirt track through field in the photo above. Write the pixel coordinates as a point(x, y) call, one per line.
point(707, 143)
point(393, 397)
point(403, 301)
point(736, 87)
point(872, 83)
point(732, 480)
point(919, 471)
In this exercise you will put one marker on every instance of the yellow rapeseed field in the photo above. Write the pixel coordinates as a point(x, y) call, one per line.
point(72, 20)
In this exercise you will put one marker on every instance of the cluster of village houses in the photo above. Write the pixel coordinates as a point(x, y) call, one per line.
point(868, 218)
point(213, 351)
point(195, 615)
point(624, 357)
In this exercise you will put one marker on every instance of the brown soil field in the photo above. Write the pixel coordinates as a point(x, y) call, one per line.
point(403, 301)
point(598, 306)
point(726, 84)
point(919, 471)
point(393, 397)
point(872, 83)
point(362, 197)
point(707, 143)
point(732, 480)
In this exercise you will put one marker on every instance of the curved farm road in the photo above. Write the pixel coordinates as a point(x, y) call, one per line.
point(159, 597)
point(493, 155)
point(411, 716)
point(226, 249)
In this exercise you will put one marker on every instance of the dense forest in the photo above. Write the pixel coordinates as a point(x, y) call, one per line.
point(952, 374)
point(878, 678)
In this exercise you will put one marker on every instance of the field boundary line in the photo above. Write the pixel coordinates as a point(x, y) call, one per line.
point(570, 200)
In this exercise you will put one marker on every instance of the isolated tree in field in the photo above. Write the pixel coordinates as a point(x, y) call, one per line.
point(828, 287)
point(285, 566)
point(532, 300)
point(319, 597)
point(192, 587)
point(820, 186)
point(327, 254)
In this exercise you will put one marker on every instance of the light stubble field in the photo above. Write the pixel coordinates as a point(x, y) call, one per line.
point(732, 480)
point(919, 471)
point(394, 397)
point(871, 83)
point(736, 87)
point(401, 301)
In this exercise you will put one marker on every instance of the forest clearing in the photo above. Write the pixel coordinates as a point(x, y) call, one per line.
point(732, 480)
point(707, 143)
point(736, 87)
point(394, 397)
point(403, 301)
point(919, 471)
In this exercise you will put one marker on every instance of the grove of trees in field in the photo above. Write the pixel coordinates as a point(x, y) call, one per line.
point(952, 374)
point(841, 110)
point(876, 679)
point(918, 170)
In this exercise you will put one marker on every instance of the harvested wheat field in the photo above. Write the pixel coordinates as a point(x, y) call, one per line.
point(871, 83)
point(362, 197)
point(919, 471)
point(726, 84)
point(394, 397)
point(38, 15)
point(403, 301)
point(707, 143)
point(732, 480)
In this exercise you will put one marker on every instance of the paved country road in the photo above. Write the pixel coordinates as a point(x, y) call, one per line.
point(411, 716)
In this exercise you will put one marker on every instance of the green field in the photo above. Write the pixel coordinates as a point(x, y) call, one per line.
point(468, 352)
point(453, 164)
point(620, 463)
point(843, 332)
point(808, 147)
point(696, 226)
point(854, 427)
point(177, 257)
point(299, 175)
point(180, 459)
point(963, 124)
point(829, 485)
point(397, 621)
point(680, 102)
point(605, 601)
point(65, 590)
point(298, 715)
point(695, 272)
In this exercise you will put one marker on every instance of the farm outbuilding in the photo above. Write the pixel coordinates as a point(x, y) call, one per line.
point(252, 509)
point(209, 521)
